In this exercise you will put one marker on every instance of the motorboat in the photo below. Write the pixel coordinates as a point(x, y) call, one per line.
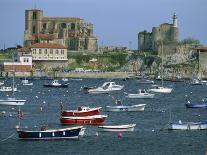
point(196, 81)
point(188, 126)
point(82, 111)
point(137, 107)
point(105, 88)
point(7, 89)
point(65, 79)
point(161, 89)
point(83, 120)
point(117, 128)
point(25, 82)
point(195, 105)
point(141, 94)
point(145, 81)
point(12, 101)
point(56, 84)
point(48, 134)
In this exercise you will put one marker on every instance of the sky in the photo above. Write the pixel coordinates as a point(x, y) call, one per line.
point(116, 22)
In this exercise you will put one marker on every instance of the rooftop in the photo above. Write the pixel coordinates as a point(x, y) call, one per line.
point(48, 45)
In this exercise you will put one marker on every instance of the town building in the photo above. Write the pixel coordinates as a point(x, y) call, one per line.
point(202, 57)
point(22, 61)
point(166, 33)
point(71, 32)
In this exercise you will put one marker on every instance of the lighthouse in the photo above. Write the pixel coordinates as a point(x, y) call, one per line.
point(175, 20)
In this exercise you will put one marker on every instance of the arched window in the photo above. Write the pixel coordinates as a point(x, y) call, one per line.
point(73, 26)
point(63, 25)
point(34, 15)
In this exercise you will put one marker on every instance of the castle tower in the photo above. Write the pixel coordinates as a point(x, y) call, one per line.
point(175, 20)
point(33, 24)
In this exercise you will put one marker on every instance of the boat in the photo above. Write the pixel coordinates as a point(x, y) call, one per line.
point(1, 83)
point(161, 89)
point(141, 94)
point(25, 82)
point(7, 89)
point(189, 126)
point(55, 83)
point(178, 78)
point(138, 107)
point(82, 111)
point(118, 128)
point(12, 101)
point(86, 120)
point(65, 79)
point(196, 81)
point(145, 81)
point(105, 88)
point(48, 134)
point(193, 105)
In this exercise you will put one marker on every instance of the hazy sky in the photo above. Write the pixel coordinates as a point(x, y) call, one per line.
point(116, 22)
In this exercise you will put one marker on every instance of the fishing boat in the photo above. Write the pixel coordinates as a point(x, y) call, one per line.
point(45, 134)
point(25, 82)
point(145, 81)
point(137, 107)
point(56, 84)
point(118, 128)
point(141, 94)
point(7, 89)
point(82, 111)
point(86, 120)
point(189, 126)
point(105, 88)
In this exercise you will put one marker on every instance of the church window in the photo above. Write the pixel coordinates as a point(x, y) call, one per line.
point(33, 29)
point(34, 15)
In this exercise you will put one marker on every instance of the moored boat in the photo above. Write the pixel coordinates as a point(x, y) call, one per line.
point(86, 120)
point(44, 134)
point(191, 105)
point(12, 101)
point(105, 88)
point(141, 94)
point(82, 111)
point(189, 126)
point(161, 89)
point(118, 128)
point(138, 107)
point(7, 89)
point(55, 83)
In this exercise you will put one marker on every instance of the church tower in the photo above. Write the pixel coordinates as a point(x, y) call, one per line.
point(33, 24)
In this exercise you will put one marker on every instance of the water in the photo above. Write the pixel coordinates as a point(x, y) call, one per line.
point(149, 136)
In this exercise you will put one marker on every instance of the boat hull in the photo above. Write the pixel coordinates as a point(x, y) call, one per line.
point(118, 128)
point(54, 86)
point(196, 105)
point(67, 133)
point(12, 102)
point(87, 120)
point(189, 126)
point(139, 107)
point(148, 96)
point(161, 90)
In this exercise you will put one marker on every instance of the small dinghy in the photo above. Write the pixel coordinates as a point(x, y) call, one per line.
point(189, 126)
point(127, 127)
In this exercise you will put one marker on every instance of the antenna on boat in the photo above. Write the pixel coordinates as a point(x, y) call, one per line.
point(162, 62)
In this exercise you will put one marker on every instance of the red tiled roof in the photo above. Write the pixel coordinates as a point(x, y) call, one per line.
point(24, 49)
point(44, 36)
point(47, 45)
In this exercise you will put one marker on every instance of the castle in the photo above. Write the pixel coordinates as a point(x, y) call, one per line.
point(167, 33)
point(73, 33)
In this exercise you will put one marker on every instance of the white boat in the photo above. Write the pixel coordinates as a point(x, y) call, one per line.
point(126, 127)
point(65, 79)
point(145, 81)
point(7, 89)
point(12, 102)
point(189, 126)
point(1, 83)
point(161, 89)
point(138, 107)
point(141, 94)
point(25, 82)
point(105, 88)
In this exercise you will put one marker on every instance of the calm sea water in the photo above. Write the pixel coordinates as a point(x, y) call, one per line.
point(149, 136)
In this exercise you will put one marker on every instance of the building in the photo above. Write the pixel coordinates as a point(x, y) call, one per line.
point(49, 55)
point(72, 33)
point(167, 33)
point(202, 57)
point(22, 61)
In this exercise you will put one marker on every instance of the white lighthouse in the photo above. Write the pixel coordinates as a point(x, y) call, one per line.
point(175, 20)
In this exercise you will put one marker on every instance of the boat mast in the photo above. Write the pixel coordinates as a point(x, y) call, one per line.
point(162, 62)
point(13, 74)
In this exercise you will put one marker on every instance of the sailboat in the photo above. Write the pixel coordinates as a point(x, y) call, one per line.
point(161, 89)
point(12, 100)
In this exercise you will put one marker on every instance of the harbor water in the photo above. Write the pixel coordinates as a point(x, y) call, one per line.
point(149, 137)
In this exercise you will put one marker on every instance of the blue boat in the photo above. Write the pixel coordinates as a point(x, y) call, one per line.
point(43, 134)
point(190, 105)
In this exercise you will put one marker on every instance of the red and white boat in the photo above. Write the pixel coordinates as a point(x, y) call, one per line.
point(87, 120)
point(82, 111)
